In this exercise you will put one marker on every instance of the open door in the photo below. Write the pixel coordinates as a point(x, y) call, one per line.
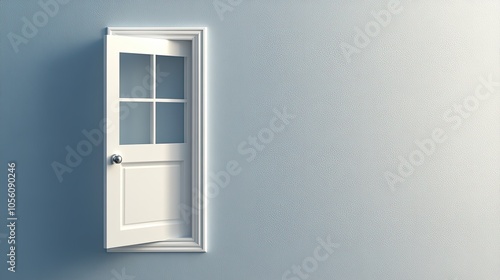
point(153, 164)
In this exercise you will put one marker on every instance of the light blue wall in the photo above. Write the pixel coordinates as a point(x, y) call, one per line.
point(323, 175)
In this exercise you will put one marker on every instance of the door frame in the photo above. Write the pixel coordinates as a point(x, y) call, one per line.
point(197, 36)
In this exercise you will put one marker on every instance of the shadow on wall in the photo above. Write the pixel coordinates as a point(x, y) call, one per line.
point(71, 235)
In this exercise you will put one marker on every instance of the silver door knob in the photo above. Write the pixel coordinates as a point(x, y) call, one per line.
point(116, 159)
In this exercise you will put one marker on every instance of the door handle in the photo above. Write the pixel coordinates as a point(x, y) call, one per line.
point(116, 159)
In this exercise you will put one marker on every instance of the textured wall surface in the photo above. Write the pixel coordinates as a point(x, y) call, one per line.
point(393, 151)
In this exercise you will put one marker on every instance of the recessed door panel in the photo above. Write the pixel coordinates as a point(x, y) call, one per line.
point(151, 192)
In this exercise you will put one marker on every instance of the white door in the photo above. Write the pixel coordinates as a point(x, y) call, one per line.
point(148, 169)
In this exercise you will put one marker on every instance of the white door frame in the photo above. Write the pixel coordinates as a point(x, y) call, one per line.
point(197, 37)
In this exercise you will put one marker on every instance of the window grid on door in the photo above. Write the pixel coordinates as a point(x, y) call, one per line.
point(154, 101)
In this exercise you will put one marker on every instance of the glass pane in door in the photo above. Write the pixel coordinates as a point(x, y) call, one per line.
point(135, 75)
point(169, 77)
point(135, 122)
point(169, 122)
